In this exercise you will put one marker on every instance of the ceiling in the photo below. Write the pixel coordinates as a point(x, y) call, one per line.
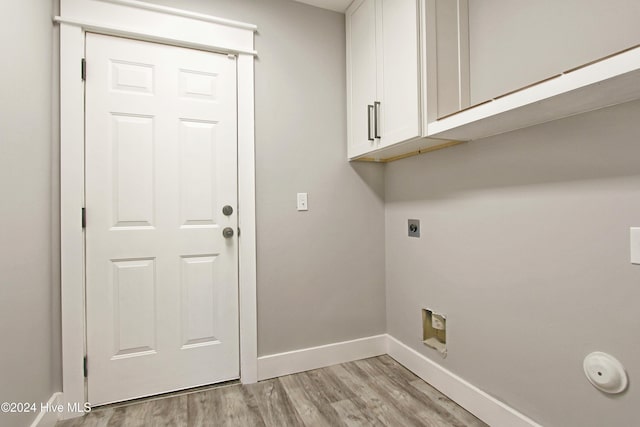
point(337, 5)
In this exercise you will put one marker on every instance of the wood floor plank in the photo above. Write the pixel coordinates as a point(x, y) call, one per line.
point(129, 416)
point(238, 408)
point(385, 412)
point(405, 399)
point(202, 408)
point(275, 406)
point(169, 412)
point(395, 369)
point(330, 385)
point(309, 401)
point(399, 402)
point(96, 418)
point(355, 389)
point(465, 417)
point(252, 406)
point(352, 416)
point(227, 406)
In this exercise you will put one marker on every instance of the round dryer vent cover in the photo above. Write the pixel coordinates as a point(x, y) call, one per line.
point(605, 372)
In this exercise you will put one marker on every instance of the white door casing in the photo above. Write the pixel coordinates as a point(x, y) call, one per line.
point(161, 156)
point(144, 21)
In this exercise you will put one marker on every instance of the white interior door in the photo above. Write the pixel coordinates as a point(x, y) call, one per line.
point(161, 162)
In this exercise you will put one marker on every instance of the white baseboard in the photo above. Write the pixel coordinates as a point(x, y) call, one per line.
point(489, 409)
point(291, 362)
point(49, 418)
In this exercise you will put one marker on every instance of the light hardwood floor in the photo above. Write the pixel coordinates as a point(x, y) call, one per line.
point(370, 392)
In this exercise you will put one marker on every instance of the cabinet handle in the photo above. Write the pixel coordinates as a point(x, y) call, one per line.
point(369, 111)
point(376, 134)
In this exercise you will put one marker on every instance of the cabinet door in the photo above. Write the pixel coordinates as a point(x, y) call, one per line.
point(361, 75)
point(398, 79)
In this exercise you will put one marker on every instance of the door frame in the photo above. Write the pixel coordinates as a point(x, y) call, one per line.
point(147, 22)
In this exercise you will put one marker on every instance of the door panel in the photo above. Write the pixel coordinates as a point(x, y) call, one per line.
point(197, 181)
point(133, 170)
point(161, 162)
point(398, 76)
point(199, 295)
point(362, 43)
point(134, 285)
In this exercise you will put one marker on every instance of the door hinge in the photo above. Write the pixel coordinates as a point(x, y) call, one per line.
point(84, 218)
point(83, 69)
point(85, 370)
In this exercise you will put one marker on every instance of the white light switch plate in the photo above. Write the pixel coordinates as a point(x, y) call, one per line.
point(302, 202)
point(634, 238)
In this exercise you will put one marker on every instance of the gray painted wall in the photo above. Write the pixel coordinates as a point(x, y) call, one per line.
point(525, 248)
point(29, 357)
point(517, 42)
point(321, 272)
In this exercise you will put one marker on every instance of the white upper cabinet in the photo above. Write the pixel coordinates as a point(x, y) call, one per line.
point(383, 75)
point(502, 65)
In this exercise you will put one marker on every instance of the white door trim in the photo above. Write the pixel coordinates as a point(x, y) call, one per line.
point(179, 28)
